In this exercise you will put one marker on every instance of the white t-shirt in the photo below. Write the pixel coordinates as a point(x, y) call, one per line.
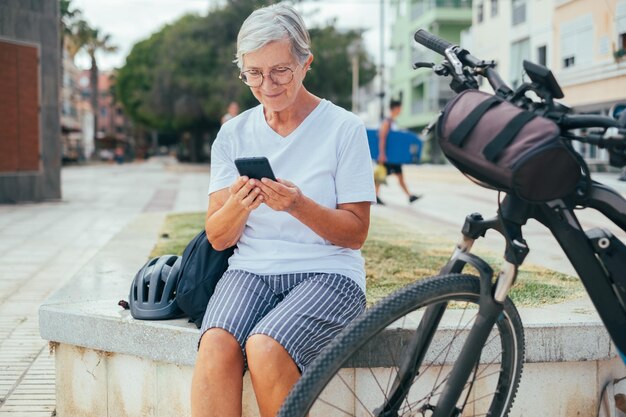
point(327, 157)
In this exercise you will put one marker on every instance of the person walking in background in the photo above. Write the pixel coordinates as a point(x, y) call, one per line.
point(297, 276)
point(388, 125)
point(233, 110)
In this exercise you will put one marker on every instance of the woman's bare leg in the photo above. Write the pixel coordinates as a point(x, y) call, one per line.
point(272, 371)
point(217, 383)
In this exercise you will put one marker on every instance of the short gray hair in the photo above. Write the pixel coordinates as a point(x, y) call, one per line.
point(273, 23)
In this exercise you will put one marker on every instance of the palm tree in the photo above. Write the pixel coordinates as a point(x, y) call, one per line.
point(69, 16)
point(91, 40)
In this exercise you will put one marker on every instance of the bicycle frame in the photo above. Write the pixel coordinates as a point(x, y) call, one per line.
point(598, 277)
point(558, 216)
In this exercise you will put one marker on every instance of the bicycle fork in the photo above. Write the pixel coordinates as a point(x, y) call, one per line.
point(489, 310)
point(491, 305)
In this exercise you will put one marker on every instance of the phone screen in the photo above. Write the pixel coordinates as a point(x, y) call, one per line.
point(256, 167)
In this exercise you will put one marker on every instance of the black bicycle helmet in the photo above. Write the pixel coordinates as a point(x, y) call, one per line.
point(153, 291)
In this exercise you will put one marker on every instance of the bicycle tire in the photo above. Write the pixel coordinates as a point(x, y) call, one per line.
point(352, 348)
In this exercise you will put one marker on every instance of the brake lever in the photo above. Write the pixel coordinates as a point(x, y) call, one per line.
point(461, 80)
point(439, 69)
point(614, 133)
point(417, 65)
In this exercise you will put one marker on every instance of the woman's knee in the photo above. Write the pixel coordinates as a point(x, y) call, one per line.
point(265, 353)
point(219, 348)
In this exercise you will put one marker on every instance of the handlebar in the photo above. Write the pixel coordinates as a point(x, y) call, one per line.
point(578, 121)
point(445, 48)
point(432, 42)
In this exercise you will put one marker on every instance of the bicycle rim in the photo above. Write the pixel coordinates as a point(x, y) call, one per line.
point(354, 375)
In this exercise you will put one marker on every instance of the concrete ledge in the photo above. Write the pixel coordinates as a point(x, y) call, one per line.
point(102, 352)
point(102, 325)
point(85, 313)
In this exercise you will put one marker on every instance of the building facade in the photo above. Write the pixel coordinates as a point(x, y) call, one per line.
point(590, 53)
point(583, 42)
point(73, 143)
point(422, 92)
point(524, 32)
point(30, 59)
point(114, 128)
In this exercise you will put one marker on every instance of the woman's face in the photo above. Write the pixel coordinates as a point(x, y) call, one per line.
point(277, 54)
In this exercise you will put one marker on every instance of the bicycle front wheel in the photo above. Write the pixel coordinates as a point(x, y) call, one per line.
point(356, 374)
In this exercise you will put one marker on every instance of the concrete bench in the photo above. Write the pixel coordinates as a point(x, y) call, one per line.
point(109, 364)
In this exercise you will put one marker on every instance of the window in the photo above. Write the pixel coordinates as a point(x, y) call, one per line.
point(66, 110)
point(519, 12)
point(480, 12)
point(494, 8)
point(577, 42)
point(519, 52)
point(620, 23)
point(569, 61)
point(541, 55)
point(417, 102)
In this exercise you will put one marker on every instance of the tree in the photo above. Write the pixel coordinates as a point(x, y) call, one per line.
point(330, 76)
point(181, 78)
point(69, 16)
point(91, 40)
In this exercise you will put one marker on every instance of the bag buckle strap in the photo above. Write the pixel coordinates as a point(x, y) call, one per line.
point(506, 135)
point(458, 136)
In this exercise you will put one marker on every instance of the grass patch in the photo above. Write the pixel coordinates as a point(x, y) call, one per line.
point(395, 257)
point(176, 233)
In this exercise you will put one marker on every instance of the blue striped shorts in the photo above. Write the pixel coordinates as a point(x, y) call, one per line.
point(303, 312)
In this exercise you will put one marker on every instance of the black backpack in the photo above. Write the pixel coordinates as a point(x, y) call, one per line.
point(200, 270)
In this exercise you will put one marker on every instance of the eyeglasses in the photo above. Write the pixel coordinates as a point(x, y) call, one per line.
point(279, 75)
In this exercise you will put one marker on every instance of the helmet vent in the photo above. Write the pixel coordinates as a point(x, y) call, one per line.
point(159, 291)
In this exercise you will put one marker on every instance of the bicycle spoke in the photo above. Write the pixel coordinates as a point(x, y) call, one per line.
point(456, 333)
point(446, 349)
point(355, 396)
point(478, 376)
point(397, 367)
point(449, 345)
point(348, 413)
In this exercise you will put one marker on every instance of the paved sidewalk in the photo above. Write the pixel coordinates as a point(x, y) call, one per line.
point(43, 245)
point(448, 196)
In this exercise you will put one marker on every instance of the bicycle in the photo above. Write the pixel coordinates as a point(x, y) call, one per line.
point(456, 339)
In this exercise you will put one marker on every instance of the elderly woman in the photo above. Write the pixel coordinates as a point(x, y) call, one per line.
point(297, 276)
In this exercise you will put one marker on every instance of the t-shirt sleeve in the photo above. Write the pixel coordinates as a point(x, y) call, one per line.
point(223, 170)
point(354, 178)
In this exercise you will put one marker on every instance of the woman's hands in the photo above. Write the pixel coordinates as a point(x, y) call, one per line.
point(246, 193)
point(280, 195)
point(346, 225)
point(229, 209)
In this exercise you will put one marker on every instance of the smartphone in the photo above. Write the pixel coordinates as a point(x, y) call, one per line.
point(256, 167)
